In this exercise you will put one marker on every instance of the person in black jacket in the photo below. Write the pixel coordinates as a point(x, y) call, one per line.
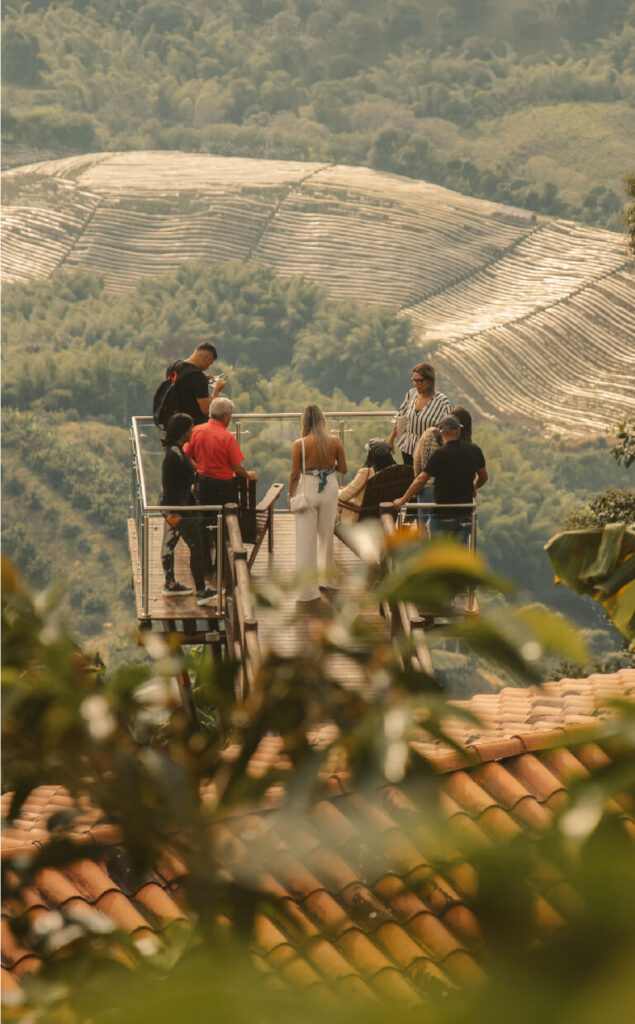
point(177, 476)
point(192, 392)
point(458, 470)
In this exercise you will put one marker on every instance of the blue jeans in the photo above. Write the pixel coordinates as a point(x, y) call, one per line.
point(459, 526)
point(425, 496)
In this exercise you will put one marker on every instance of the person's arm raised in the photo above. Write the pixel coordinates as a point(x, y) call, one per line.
point(203, 404)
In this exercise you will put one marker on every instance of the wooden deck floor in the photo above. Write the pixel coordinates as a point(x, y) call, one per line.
point(161, 608)
point(285, 628)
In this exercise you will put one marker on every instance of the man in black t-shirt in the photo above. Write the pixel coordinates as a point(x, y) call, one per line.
point(458, 470)
point(192, 386)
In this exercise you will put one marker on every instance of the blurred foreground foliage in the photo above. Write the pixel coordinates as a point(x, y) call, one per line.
point(601, 564)
point(126, 746)
point(596, 553)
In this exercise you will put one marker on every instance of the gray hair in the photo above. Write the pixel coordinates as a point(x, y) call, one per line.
point(219, 407)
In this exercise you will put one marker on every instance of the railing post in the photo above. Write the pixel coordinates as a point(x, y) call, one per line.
point(471, 591)
point(219, 561)
point(341, 475)
point(145, 565)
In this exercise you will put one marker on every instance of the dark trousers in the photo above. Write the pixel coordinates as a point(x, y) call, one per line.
point(408, 460)
point(215, 492)
point(189, 528)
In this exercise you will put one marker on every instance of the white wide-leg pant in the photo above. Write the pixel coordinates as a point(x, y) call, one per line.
point(314, 559)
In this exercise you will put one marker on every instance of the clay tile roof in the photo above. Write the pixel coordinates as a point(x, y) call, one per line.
point(356, 903)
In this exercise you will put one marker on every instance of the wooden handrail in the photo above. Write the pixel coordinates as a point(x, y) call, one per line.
point(239, 584)
point(409, 619)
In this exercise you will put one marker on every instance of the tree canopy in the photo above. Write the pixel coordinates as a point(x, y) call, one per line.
point(404, 87)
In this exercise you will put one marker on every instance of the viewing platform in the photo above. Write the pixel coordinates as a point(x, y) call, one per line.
point(255, 544)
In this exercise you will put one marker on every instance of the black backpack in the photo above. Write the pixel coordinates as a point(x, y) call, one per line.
point(165, 399)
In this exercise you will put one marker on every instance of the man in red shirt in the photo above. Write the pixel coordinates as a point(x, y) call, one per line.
point(218, 457)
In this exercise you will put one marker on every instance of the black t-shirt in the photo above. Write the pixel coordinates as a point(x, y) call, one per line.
point(454, 467)
point(191, 385)
point(177, 476)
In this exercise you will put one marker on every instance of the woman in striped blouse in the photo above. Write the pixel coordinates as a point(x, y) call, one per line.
point(423, 407)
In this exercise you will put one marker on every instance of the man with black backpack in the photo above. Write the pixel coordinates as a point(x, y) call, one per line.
point(186, 387)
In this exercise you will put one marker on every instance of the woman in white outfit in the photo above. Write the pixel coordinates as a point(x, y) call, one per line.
point(315, 460)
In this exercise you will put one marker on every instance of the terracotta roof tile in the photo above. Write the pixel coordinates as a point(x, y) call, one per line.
point(90, 880)
point(425, 974)
point(498, 824)
point(436, 939)
point(298, 879)
point(55, 887)
point(11, 989)
point(394, 985)
point(120, 910)
point(268, 936)
point(332, 869)
point(464, 878)
point(464, 924)
point(300, 974)
point(351, 985)
point(327, 959)
point(155, 899)
point(13, 953)
point(296, 920)
point(364, 900)
point(398, 944)
point(328, 914)
point(536, 777)
point(566, 765)
point(363, 906)
point(464, 788)
point(463, 969)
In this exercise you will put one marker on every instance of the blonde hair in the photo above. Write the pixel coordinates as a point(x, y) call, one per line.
point(313, 422)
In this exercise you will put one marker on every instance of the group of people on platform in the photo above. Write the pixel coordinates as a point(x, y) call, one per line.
point(203, 459)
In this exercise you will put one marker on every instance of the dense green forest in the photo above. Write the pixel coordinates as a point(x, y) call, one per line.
point(77, 365)
point(527, 103)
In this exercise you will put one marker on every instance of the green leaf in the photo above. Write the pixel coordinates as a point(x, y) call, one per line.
point(600, 564)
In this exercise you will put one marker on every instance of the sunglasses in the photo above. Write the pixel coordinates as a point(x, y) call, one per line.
point(420, 380)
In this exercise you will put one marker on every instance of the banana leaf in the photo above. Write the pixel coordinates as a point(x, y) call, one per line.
point(601, 564)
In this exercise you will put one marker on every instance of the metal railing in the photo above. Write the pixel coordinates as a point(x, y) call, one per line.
point(339, 423)
point(340, 429)
point(432, 506)
point(144, 514)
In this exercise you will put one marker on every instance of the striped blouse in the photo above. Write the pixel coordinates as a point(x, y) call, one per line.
point(417, 422)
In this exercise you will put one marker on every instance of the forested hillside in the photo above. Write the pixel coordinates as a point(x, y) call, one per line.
point(528, 103)
point(77, 365)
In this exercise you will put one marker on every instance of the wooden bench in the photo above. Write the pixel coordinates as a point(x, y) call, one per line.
point(256, 520)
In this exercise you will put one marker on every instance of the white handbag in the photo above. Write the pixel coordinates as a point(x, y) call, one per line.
point(401, 423)
point(299, 502)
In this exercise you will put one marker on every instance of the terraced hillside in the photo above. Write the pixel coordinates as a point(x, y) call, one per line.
point(527, 318)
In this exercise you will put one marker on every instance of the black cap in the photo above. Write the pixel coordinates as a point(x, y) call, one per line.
point(450, 423)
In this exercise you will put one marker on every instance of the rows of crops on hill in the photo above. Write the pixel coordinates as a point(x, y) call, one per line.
point(515, 309)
